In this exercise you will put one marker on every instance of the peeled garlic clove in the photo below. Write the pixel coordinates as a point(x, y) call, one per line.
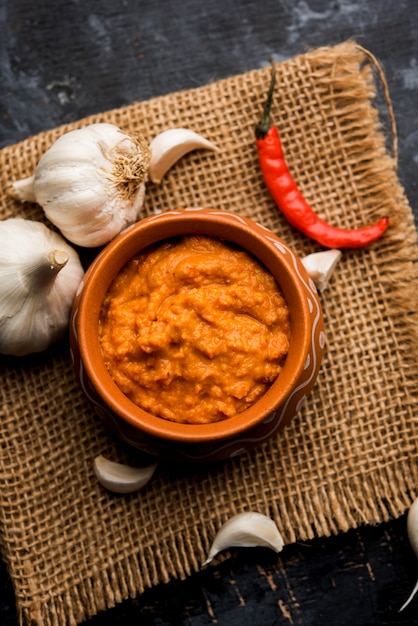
point(247, 530)
point(121, 478)
point(321, 265)
point(169, 146)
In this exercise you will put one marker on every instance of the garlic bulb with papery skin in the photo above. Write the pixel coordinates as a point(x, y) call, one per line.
point(90, 183)
point(39, 276)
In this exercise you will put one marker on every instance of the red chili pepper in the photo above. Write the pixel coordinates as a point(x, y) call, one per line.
point(289, 198)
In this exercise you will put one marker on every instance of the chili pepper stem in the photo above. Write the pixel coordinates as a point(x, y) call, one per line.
point(264, 124)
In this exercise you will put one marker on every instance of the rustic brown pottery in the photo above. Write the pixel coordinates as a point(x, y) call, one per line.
point(220, 440)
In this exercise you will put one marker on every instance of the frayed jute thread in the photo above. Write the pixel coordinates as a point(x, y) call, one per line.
point(347, 459)
point(382, 77)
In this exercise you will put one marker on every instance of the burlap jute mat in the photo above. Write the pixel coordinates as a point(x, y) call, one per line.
point(349, 457)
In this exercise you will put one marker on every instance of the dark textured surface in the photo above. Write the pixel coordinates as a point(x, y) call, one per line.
point(64, 60)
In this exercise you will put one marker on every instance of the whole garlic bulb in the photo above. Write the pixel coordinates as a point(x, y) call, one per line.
point(39, 276)
point(90, 183)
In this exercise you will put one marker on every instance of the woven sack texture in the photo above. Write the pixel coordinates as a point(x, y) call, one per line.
point(348, 458)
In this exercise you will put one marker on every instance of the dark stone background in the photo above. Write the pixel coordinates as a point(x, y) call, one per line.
point(65, 59)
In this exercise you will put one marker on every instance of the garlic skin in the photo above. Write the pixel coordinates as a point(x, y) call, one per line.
point(247, 530)
point(170, 145)
point(39, 276)
point(90, 183)
point(121, 478)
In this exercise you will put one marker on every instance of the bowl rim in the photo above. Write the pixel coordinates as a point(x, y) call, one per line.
point(264, 245)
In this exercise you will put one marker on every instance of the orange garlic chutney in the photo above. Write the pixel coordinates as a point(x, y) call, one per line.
point(194, 330)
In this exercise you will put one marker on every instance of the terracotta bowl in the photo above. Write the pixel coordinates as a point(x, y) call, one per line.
point(232, 436)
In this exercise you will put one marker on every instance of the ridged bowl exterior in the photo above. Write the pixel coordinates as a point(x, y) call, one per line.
point(233, 436)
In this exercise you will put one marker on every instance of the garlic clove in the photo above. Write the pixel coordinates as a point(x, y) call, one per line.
point(121, 478)
point(411, 597)
point(412, 526)
point(412, 531)
point(247, 530)
point(321, 266)
point(169, 146)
